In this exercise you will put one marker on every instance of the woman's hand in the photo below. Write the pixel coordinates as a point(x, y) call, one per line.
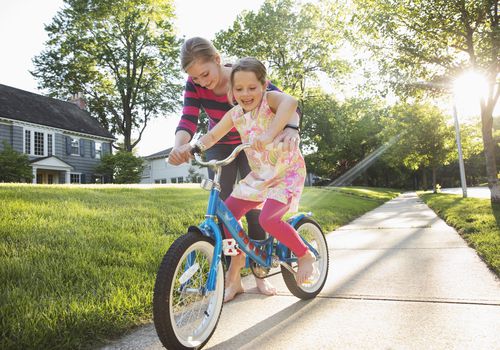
point(260, 142)
point(290, 138)
point(180, 154)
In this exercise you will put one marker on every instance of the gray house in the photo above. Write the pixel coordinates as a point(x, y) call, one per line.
point(63, 142)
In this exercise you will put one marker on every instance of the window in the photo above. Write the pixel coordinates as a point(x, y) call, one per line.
point(173, 180)
point(180, 180)
point(49, 144)
point(98, 150)
point(38, 142)
point(75, 178)
point(27, 141)
point(75, 147)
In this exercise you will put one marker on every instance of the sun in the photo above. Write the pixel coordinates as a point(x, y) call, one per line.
point(468, 90)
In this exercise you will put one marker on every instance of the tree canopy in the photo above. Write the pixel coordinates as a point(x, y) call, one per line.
point(121, 54)
point(435, 41)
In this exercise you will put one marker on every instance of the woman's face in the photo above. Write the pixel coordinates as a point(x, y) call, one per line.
point(206, 74)
point(247, 90)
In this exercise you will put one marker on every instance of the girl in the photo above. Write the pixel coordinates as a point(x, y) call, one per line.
point(277, 176)
point(207, 87)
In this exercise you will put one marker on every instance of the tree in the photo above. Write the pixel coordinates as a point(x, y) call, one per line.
point(428, 140)
point(296, 42)
point(15, 166)
point(121, 54)
point(337, 136)
point(434, 41)
point(123, 167)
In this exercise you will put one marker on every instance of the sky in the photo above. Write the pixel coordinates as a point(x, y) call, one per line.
point(22, 36)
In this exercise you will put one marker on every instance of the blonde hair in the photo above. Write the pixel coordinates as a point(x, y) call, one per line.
point(195, 49)
point(247, 64)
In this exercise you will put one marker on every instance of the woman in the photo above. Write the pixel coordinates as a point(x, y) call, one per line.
point(207, 87)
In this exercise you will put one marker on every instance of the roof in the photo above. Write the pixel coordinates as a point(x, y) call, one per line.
point(161, 154)
point(26, 106)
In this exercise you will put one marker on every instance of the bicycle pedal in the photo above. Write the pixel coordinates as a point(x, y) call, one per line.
point(230, 247)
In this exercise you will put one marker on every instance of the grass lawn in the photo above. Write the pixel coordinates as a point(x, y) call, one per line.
point(477, 221)
point(77, 265)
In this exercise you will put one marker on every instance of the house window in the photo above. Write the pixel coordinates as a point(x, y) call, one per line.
point(98, 150)
point(180, 180)
point(49, 144)
point(38, 142)
point(173, 180)
point(75, 147)
point(75, 178)
point(27, 141)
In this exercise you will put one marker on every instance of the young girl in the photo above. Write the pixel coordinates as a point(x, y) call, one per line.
point(277, 177)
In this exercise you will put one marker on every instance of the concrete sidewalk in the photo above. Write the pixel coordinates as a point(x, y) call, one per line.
point(400, 278)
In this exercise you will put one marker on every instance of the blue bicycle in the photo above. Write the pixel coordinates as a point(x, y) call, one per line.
point(189, 287)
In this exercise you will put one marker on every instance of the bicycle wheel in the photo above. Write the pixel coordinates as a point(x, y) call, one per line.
point(184, 318)
point(309, 230)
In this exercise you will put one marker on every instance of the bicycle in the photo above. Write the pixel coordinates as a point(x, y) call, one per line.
point(189, 288)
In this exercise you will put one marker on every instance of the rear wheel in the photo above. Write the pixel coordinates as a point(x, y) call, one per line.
point(311, 232)
point(185, 316)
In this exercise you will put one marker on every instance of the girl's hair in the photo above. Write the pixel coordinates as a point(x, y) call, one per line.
point(250, 64)
point(247, 64)
point(195, 49)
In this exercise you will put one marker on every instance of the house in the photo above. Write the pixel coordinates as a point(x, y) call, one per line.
point(158, 171)
point(63, 141)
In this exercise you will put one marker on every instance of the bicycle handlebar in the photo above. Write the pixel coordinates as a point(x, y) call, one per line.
point(223, 162)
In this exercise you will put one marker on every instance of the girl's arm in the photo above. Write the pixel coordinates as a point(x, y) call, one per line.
point(284, 106)
point(217, 132)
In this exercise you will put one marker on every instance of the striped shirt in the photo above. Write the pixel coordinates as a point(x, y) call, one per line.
point(197, 97)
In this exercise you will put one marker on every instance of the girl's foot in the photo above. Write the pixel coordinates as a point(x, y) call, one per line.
point(265, 287)
point(306, 267)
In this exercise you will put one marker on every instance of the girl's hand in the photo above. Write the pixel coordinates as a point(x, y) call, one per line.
point(260, 142)
point(290, 139)
point(180, 154)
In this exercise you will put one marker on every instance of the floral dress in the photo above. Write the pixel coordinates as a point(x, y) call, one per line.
point(275, 174)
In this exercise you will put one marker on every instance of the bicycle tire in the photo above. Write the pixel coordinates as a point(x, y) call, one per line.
point(184, 318)
point(312, 233)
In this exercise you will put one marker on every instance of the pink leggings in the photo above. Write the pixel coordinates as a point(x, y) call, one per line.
point(271, 221)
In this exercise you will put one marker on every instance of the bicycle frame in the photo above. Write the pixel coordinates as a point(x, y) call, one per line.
point(259, 251)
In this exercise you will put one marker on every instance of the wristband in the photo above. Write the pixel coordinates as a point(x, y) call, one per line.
point(294, 127)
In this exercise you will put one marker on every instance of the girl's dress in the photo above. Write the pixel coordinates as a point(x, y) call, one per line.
point(275, 174)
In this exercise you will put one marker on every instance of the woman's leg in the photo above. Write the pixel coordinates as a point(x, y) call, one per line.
point(234, 285)
point(255, 231)
point(271, 220)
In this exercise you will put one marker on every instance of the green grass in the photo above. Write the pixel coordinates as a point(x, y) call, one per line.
point(77, 265)
point(476, 220)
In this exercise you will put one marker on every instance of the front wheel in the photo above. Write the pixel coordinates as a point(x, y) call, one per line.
point(311, 232)
point(185, 314)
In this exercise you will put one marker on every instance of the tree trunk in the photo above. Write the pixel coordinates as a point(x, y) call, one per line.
point(424, 180)
point(489, 152)
point(434, 189)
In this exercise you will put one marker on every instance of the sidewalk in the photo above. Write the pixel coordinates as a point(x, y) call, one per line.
point(400, 278)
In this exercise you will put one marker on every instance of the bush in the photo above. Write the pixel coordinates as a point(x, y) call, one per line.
point(14, 166)
point(123, 167)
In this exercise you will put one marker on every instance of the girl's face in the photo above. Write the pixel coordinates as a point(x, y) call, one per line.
point(206, 74)
point(247, 90)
